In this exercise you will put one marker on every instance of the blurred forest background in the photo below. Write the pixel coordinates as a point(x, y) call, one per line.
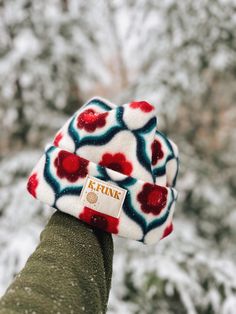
point(178, 55)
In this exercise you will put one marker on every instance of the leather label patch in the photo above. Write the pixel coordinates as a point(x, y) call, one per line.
point(104, 197)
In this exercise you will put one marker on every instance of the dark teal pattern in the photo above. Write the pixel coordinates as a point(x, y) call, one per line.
point(126, 183)
point(97, 140)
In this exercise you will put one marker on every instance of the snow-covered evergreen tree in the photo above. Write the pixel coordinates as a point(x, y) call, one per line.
point(52, 54)
point(179, 55)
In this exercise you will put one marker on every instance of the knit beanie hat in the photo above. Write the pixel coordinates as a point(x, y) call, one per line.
point(112, 168)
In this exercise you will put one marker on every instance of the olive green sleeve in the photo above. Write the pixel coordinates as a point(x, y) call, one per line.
point(69, 272)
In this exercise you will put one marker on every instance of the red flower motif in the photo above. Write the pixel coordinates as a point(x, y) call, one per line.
point(100, 220)
point(153, 198)
point(143, 105)
point(57, 139)
point(90, 120)
point(32, 184)
point(116, 162)
point(70, 166)
point(157, 152)
point(167, 230)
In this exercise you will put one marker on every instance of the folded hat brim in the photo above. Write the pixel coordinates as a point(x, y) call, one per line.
point(146, 213)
